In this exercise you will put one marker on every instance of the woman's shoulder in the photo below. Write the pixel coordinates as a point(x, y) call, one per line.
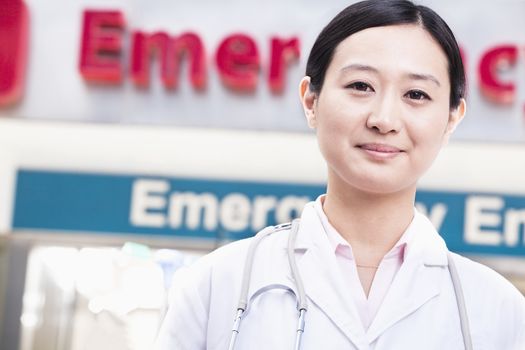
point(490, 288)
point(492, 302)
point(477, 273)
point(224, 254)
point(232, 256)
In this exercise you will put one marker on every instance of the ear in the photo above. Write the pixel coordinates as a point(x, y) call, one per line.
point(308, 99)
point(455, 117)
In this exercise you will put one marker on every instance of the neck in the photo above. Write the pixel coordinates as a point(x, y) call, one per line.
point(371, 223)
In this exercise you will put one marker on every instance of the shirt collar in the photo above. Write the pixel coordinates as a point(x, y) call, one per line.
point(341, 246)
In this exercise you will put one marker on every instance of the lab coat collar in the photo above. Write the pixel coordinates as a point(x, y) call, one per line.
point(418, 280)
point(426, 244)
point(323, 283)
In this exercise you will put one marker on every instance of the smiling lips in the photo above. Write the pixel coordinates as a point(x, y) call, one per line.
point(380, 151)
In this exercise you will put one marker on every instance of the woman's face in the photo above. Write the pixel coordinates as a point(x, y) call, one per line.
point(383, 112)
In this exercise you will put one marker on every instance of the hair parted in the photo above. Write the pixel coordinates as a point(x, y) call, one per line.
point(378, 13)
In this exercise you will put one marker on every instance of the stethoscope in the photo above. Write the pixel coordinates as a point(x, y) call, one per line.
point(302, 306)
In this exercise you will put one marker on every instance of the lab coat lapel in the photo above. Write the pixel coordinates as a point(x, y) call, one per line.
point(322, 278)
point(418, 280)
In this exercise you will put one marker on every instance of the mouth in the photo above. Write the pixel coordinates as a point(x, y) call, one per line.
point(380, 150)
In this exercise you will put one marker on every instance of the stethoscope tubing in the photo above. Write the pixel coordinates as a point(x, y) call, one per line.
point(300, 296)
point(460, 301)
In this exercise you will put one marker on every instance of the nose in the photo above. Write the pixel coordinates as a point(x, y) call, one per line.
point(385, 116)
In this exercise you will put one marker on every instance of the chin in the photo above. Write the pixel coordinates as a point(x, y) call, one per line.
point(378, 185)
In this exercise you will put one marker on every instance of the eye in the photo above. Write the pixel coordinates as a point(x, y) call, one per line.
point(417, 95)
point(360, 86)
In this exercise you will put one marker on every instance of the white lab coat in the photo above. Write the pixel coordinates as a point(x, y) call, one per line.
point(418, 312)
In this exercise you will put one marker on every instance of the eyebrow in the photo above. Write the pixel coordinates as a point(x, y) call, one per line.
point(428, 77)
point(413, 76)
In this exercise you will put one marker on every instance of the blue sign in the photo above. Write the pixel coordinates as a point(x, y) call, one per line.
point(219, 210)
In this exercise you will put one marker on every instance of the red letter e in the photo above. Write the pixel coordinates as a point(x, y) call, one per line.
point(13, 49)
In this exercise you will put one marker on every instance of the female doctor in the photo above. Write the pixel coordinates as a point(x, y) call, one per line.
point(362, 269)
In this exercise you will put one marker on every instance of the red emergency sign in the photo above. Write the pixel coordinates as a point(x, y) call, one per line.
point(14, 25)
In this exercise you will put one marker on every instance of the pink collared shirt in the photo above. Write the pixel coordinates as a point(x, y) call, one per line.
point(367, 308)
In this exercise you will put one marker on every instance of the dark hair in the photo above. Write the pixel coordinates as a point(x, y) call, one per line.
point(378, 13)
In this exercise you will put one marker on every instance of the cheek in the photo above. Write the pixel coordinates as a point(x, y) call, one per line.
point(428, 134)
point(431, 120)
point(330, 139)
point(338, 114)
point(338, 128)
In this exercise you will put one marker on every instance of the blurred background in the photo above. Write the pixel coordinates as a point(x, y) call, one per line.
point(136, 136)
